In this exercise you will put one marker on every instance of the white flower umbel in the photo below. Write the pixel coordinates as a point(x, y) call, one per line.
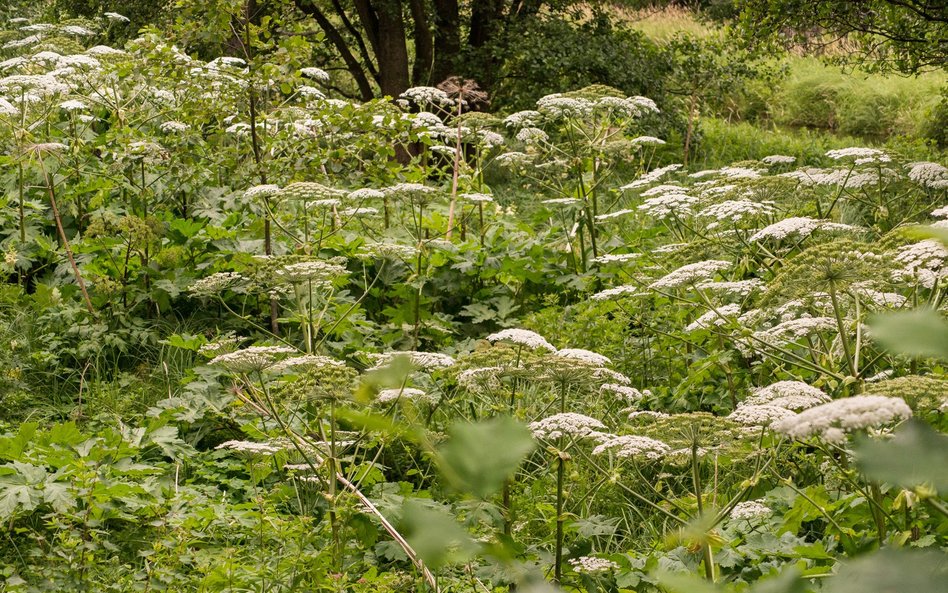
point(610, 375)
point(619, 291)
point(532, 136)
point(319, 271)
point(630, 445)
point(424, 96)
point(669, 205)
point(924, 255)
point(522, 119)
point(750, 510)
point(252, 359)
point(215, 284)
point(261, 191)
point(854, 152)
point(690, 274)
point(427, 361)
point(789, 395)
point(762, 415)
point(834, 420)
point(174, 127)
point(624, 392)
point(616, 214)
point(479, 377)
point(592, 565)
point(305, 362)
point(797, 227)
point(929, 175)
point(613, 258)
point(407, 393)
point(737, 210)
point(663, 189)
point(651, 176)
point(477, 198)
point(317, 74)
point(795, 329)
point(778, 159)
point(586, 356)
point(715, 318)
point(940, 212)
point(249, 447)
point(741, 288)
point(568, 424)
point(521, 337)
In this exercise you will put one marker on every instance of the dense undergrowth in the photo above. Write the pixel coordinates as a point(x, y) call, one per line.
point(258, 339)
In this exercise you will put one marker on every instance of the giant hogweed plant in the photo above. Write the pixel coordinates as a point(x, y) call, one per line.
point(297, 232)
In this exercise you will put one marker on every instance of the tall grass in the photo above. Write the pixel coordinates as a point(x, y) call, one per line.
point(820, 96)
point(723, 142)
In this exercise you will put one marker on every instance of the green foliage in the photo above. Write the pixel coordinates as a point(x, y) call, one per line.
point(479, 458)
point(917, 456)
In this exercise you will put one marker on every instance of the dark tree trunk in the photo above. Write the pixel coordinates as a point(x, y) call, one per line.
point(486, 20)
point(385, 28)
point(447, 39)
point(336, 38)
point(424, 48)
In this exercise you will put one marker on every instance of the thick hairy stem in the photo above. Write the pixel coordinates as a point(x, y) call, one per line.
point(876, 508)
point(560, 519)
point(705, 546)
point(454, 176)
point(843, 337)
point(62, 236)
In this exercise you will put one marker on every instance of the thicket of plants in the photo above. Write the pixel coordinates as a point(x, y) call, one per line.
point(259, 338)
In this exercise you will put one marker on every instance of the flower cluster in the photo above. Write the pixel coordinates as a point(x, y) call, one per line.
point(250, 447)
point(427, 361)
point(798, 227)
point(215, 284)
point(409, 393)
point(832, 421)
point(568, 424)
point(632, 446)
point(585, 356)
point(592, 565)
point(252, 359)
point(668, 205)
point(521, 337)
point(652, 176)
point(929, 175)
point(629, 394)
point(789, 395)
point(758, 415)
point(689, 274)
point(715, 317)
point(750, 509)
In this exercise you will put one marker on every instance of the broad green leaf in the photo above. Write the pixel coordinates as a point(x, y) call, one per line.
point(916, 455)
point(913, 333)
point(435, 536)
point(892, 570)
point(479, 457)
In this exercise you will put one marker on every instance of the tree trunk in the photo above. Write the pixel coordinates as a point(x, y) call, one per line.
point(385, 28)
point(335, 37)
point(447, 39)
point(424, 48)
